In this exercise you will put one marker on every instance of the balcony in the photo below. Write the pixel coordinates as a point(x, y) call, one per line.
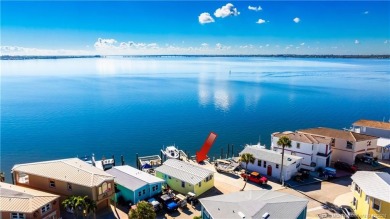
point(106, 194)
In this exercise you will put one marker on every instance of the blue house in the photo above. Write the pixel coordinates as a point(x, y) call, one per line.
point(134, 185)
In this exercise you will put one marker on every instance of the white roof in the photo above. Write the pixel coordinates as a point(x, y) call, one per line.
point(374, 184)
point(72, 170)
point(254, 204)
point(383, 142)
point(270, 156)
point(184, 171)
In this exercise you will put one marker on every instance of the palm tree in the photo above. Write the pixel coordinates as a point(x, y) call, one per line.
point(2, 176)
point(70, 203)
point(144, 210)
point(89, 207)
point(283, 141)
point(80, 205)
point(246, 158)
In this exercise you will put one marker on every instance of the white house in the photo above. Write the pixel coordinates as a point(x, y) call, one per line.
point(372, 127)
point(315, 150)
point(346, 145)
point(383, 148)
point(268, 162)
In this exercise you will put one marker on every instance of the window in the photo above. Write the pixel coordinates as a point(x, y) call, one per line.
point(354, 202)
point(277, 166)
point(200, 184)
point(23, 178)
point(211, 176)
point(52, 183)
point(259, 163)
point(169, 177)
point(264, 164)
point(153, 188)
point(139, 193)
point(183, 184)
point(156, 187)
point(45, 208)
point(69, 187)
point(298, 145)
point(349, 145)
point(368, 143)
point(376, 204)
point(367, 199)
point(143, 192)
point(17, 216)
point(357, 188)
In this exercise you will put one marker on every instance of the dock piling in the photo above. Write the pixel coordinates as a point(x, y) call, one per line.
point(113, 158)
point(122, 160)
point(136, 160)
point(232, 150)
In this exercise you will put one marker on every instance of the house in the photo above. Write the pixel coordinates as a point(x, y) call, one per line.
point(383, 148)
point(184, 177)
point(134, 185)
point(254, 204)
point(65, 178)
point(371, 194)
point(346, 145)
point(20, 202)
point(315, 150)
point(268, 162)
point(372, 127)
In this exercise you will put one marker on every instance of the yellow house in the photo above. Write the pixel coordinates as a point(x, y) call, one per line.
point(371, 194)
point(185, 177)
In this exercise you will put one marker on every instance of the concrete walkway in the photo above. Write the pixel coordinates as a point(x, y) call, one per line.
point(344, 199)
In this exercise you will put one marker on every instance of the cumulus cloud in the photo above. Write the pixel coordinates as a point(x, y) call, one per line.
point(105, 43)
point(204, 44)
point(366, 12)
point(205, 18)
point(357, 42)
point(297, 20)
point(226, 11)
point(302, 44)
point(386, 41)
point(25, 51)
point(260, 21)
point(254, 8)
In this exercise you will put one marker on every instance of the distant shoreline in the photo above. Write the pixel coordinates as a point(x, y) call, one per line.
point(8, 57)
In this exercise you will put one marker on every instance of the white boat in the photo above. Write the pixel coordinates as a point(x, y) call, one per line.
point(171, 152)
point(228, 166)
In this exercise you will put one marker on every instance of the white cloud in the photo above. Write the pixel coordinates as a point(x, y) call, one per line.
point(386, 41)
point(366, 12)
point(260, 21)
point(253, 8)
point(204, 44)
point(226, 11)
point(24, 51)
point(105, 43)
point(297, 20)
point(357, 42)
point(302, 44)
point(205, 18)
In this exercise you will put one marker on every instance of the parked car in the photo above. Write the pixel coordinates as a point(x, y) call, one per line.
point(156, 204)
point(191, 198)
point(181, 200)
point(168, 203)
point(305, 173)
point(328, 172)
point(348, 212)
point(255, 177)
point(345, 166)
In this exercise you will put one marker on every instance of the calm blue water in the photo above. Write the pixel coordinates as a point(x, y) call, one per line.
point(52, 109)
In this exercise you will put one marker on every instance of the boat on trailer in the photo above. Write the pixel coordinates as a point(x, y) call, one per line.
point(171, 152)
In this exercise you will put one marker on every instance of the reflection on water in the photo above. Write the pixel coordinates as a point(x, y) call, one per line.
point(135, 105)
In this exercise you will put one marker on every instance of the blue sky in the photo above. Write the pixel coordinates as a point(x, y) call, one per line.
point(195, 27)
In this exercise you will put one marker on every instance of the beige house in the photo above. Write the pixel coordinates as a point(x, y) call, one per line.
point(17, 202)
point(65, 178)
point(346, 145)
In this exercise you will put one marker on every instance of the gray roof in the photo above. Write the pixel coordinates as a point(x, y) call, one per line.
point(253, 204)
point(184, 171)
point(271, 156)
point(132, 178)
point(374, 184)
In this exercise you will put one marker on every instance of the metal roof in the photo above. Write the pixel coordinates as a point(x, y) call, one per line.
point(271, 156)
point(254, 204)
point(184, 171)
point(373, 124)
point(374, 184)
point(15, 198)
point(132, 178)
point(72, 170)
